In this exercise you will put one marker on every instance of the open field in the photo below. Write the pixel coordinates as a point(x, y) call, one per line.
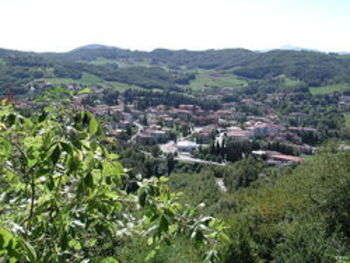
point(291, 82)
point(103, 61)
point(216, 80)
point(329, 89)
point(344, 56)
point(119, 86)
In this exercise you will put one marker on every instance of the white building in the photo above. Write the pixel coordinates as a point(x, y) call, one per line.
point(186, 146)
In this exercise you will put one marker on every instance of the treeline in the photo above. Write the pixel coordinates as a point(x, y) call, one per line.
point(209, 59)
point(13, 78)
point(149, 98)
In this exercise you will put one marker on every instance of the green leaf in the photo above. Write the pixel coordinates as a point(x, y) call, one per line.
point(50, 183)
point(89, 180)
point(84, 91)
point(73, 163)
point(55, 155)
point(5, 238)
point(75, 142)
point(109, 260)
point(142, 198)
point(74, 244)
point(5, 147)
point(163, 224)
point(151, 255)
point(30, 251)
point(150, 241)
point(105, 260)
point(31, 162)
point(64, 240)
point(93, 125)
point(43, 116)
point(114, 170)
point(66, 147)
point(11, 119)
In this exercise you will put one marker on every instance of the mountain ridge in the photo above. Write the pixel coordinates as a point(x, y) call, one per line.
point(96, 46)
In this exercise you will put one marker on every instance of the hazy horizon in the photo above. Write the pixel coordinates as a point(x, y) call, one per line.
point(284, 47)
point(59, 26)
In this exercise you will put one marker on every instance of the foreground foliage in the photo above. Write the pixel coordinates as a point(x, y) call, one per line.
point(292, 214)
point(63, 199)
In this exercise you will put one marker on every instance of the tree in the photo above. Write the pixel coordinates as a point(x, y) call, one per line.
point(185, 130)
point(171, 162)
point(110, 97)
point(144, 120)
point(155, 151)
point(242, 173)
point(89, 100)
point(62, 194)
point(129, 130)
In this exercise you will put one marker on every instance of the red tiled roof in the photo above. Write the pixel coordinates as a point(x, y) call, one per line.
point(284, 157)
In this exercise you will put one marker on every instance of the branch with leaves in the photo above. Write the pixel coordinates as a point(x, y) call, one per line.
point(63, 195)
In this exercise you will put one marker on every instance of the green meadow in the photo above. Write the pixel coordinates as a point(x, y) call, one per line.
point(121, 64)
point(216, 80)
point(329, 89)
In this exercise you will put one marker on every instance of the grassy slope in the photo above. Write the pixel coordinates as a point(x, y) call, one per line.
point(291, 82)
point(329, 89)
point(210, 79)
point(103, 61)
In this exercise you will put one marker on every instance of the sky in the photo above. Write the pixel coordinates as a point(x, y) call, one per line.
point(62, 25)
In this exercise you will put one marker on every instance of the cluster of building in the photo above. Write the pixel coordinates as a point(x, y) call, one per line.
point(160, 125)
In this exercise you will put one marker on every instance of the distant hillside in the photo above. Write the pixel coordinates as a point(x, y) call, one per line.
point(314, 68)
point(167, 69)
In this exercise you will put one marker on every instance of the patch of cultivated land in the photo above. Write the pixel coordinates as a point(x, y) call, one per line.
point(291, 82)
point(103, 61)
point(329, 89)
point(216, 80)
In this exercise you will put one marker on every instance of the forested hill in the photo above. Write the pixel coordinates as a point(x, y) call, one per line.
point(167, 69)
